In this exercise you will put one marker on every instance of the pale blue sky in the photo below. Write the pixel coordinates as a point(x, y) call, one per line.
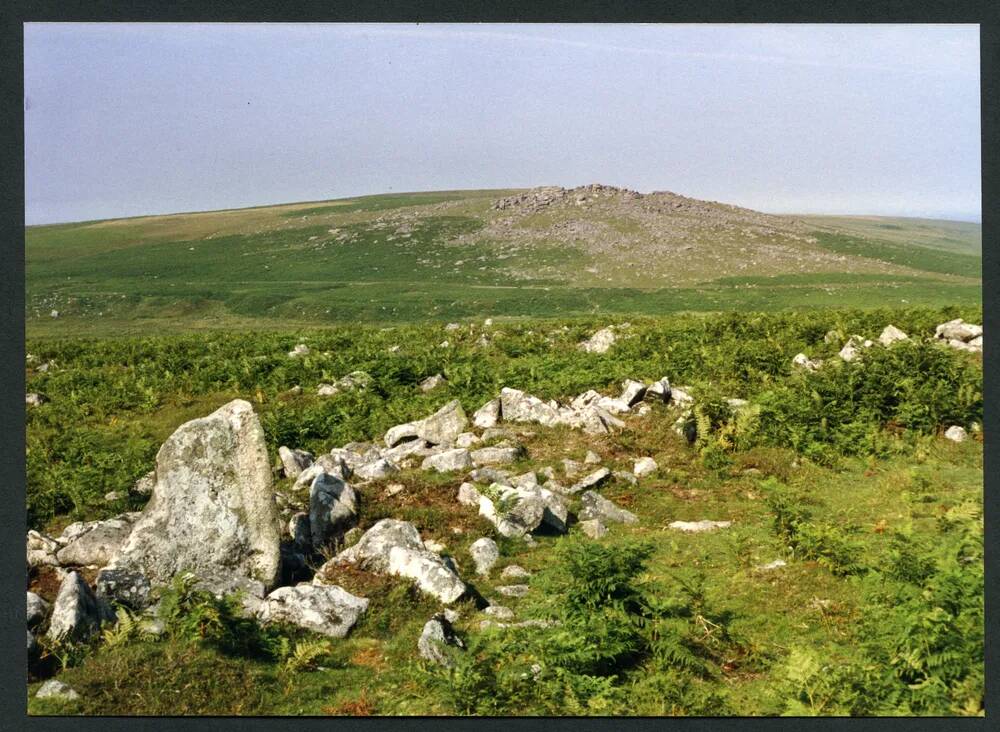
point(127, 119)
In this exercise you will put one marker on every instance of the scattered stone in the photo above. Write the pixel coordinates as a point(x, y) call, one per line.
point(776, 564)
point(594, 528)
point(499, 612)
point(680, 396)
point(658, 391)
point(633, 392)
point(852, 349)
point(484, 553)
point(326, 609)
point(33, 399)
point(53, 688)
point(626, 477)
point(294, 461)
point(444, 425)
point(144, 486)
point(516, 406)
point(468, 495)
point(513, 590)
point(333, 509)
point(955, 433)
point(78, 612)
point(212, 511)
point(891, 334)
point(393, 489)
point(93, 543)
point(431, 383)
point(958, 330)
point(496, 456)
point(457, 459)
point(113, 496)
point(699, 526)
point(487, 415)
point(377, 470)
point(467, 439)
point(801, 361)
point(300, 350)
point(600, 341)
point(519, 514)
point(592, 458)
point(644, 466)
point(595, 479)
point(394, 547)
point(572, 468)
point(514, 571)
point(490, 475)
point(327, 390)
point(38, 610)
point(595, 506)
point(438, 634)
point(41, 549)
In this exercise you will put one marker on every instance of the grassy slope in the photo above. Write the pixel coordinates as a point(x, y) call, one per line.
point(281, 265)
point(124, 397)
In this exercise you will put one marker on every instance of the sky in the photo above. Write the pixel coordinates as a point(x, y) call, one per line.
point(132, 119)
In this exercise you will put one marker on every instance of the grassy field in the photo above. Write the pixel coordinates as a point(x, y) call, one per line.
point(844, 475)
point(346, 261)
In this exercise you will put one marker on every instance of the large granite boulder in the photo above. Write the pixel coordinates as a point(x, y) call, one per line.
point(325, 609)
point(333, 508)
point(212, 511)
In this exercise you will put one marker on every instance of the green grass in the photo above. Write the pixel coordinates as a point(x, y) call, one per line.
point(922, 258)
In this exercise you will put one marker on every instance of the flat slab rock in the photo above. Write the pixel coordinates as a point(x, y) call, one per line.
point(595, 506)
point(699, 526)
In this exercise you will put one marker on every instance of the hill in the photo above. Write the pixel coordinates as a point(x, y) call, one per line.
point(452, 254)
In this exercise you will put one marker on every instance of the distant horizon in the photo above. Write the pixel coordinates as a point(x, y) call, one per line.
point(964, 217)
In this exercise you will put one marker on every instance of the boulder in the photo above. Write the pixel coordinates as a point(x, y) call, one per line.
point(457, 459)
point(467, 439)
point(513, 590)
point(595, 506)
point(891, 334)
point(490, 475)
point(591, 458)
point(644, 466)
point(680, 396)
point(55, 689)
point(124, 586)
point(394, 547)
point(438, 634)
point(599, 342)
point(484, 553)
point(38, 610)
point(294, 461)
point(333, 509)
point(518, 513)
point(325, 609)
point(77, 612)
point(699, 526)
point(485, 456)
point(334, 465)
point(399, 433)
point(94, 543)
point(955, 433)
point(212, 511)
point(444, 425)
point(487, 415)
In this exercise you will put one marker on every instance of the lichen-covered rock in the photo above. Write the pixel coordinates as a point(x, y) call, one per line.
point(377, 470)
point(593, 480)
point(513, 590)
point(516, 513)
point(457, 459)
point(444, 425)
point(38, 610)
point(499, 612)
point(891, 334)
point(487, 415)
point(514, 571)
point(516, 406)
point(594, 528)
point(437, 635)
point(325, 609)
point(144, 486)
point(467, 439)
point(468, 495)
point(333, 509)
point(41, 549)
point(958, 330)
point(395, 547)
point(212, 511)
point(644, 466)
point(55, 689)
point(595, 506)
point(699, 526)
point(77, 612)
point(93, 543)
point(126, 587)
point(294, 461)
point(599, 342)
point(484, 553)
point(486, 456)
